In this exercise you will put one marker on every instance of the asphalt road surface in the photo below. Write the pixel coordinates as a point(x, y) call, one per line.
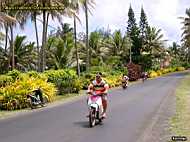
point(130, 113)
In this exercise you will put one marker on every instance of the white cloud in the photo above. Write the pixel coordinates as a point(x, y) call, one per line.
point(162, 14)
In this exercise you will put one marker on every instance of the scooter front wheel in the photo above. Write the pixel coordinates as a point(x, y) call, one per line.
point(92, 118)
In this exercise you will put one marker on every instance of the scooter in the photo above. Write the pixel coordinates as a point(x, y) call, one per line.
point(95, 108)
point(125, 85)
point(144, 78)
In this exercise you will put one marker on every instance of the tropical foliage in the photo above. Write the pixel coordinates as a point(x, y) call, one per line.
point(68, 60)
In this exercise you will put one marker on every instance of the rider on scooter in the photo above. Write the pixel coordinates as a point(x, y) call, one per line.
point(144, 75)
point(100, 85)
point(125, 79)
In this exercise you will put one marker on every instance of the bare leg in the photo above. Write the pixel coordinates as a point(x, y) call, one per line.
point(104, 103)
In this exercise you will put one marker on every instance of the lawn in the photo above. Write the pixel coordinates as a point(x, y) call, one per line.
point(180, 122)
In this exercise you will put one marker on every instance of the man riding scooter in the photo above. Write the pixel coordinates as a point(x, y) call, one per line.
point(144, 76)
point(100, 86)
point(125, 81)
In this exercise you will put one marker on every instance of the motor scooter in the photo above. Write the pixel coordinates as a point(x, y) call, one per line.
point(95, 108)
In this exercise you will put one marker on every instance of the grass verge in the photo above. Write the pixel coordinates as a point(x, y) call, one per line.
point(180, 122)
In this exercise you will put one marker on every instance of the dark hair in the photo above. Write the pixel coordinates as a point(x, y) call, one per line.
point(99, 74)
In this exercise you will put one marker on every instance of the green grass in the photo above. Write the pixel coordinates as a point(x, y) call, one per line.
point(180, 123)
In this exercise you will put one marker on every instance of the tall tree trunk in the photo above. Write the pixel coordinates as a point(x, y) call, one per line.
point(77, 56)
point(45, 38)
point(37, 41)
point(12, 48)
point(43, 42)
point(87, 42)
point(6, 36)
point(188, 59)
point(46, 28)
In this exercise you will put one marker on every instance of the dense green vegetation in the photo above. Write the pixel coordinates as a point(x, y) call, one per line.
point(67, 61)
point(15, 85)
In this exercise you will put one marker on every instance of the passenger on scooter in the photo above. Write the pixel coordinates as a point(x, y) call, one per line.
point(125, 79)
point(144, 75)
point(99, 85)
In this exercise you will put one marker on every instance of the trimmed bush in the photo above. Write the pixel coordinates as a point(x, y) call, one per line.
point(180, 69)
point(67, 81)
point(113, 81)
point(153, 74)
point(159, 73)
point(164, 71)
point(14, 95)
point(5, 80)
point(134, 71)
point(186, 65)
point(34, 74)
point(14, 74)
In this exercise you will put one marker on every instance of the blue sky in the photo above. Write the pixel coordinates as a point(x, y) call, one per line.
point(161, 14)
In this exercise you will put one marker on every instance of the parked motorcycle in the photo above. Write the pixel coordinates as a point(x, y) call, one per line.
point(34, 101)
point(95, 108)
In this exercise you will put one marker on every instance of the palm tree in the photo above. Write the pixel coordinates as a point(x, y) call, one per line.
point(97, 51)
point(60, 47)
point(87, 42)
point(60, 54)
point(85, 5)
point(174, 50)
point(155, 42)
point(154, 47)
point(6, 18)
point(34, 15)
point(3, 60)
point(75, 5)
point(75, 40)
point(175, 54)
point(3, 55)
point(117, 44)
point(119, 47)
point(54, 14)
point(9, 25)
point(186, 32)
point(4, 21)
point(25, 56)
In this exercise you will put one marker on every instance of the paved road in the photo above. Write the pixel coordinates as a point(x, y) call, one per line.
point(130, 112)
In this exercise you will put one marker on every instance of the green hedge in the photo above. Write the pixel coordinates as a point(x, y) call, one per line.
point(14, 74)
point(13, 95)
point(14, 86)
point(112, 80)
point(5, 80)
point(67, 81)
point(153, 74)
